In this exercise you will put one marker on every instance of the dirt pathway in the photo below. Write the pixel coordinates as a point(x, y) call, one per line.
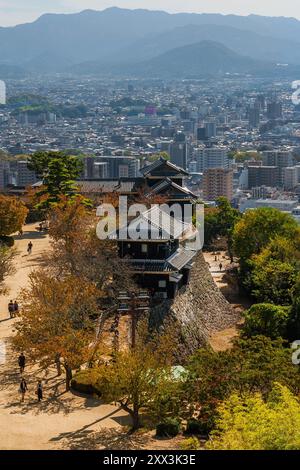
point(222, 340)
point(61, 416)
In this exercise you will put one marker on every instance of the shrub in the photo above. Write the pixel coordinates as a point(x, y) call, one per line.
point(85, 381)
point(196, 427)
point(168, 428)
point(7, 241)
point(191, 443)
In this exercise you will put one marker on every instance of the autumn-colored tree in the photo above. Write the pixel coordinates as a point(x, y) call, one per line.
point(6, 265)
point(141, 376)
point(57, 321)
point(252, 423)
point(77, 249)
point(12, 215)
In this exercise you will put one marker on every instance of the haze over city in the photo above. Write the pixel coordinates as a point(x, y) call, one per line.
point(19, 11)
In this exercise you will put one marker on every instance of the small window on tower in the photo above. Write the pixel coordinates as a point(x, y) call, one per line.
point(144, 248)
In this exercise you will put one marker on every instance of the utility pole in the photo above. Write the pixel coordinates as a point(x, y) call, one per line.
point(134, 303)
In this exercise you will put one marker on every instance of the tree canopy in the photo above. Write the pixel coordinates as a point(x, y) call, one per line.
point(258, 227)
point(141, 377)
point(12, 215)
point(268, 320)
point(252, 423)
point(252, 365)
point(58, 172)
point(56, 321)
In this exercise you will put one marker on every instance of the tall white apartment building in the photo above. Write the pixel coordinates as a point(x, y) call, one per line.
point(212, 157)
point(2, 92)
point(290, 177)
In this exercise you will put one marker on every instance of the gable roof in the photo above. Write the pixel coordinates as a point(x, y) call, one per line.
point(166, 184)
point(162, 164)
point(154, 224)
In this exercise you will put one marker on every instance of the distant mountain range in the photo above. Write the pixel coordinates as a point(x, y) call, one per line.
point(141, 42)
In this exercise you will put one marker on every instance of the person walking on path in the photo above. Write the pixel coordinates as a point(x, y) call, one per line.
point(39, 390)
point(11, 308)
point(29, 248)
point(23, 389)
point(16, 308)
point(22, 362)
point(220, 266)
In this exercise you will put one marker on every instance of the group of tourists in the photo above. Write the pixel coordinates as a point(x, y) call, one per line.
point(23, 384)
point(13, 308)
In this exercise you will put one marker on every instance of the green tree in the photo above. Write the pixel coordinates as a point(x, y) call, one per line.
point(273, 282)
point(227, 218)
point(59, 173)
point(251, 423)
point(252, 365)
point(220, 221)
point(266, 319)
point(258, 227)
point(293, 327)
point(274, 270)
point(12, 215)
point(211, 225)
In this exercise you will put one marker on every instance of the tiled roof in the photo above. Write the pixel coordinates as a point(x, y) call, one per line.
point(106, 186)
point(143, 265)
point(174, 263)
point(181, 258)
point(155, 224)
point(168, 183)
point(160, 163)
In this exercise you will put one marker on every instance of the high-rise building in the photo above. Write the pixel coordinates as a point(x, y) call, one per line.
point(280, 158)
point(212, 157)
point(2, 92)
point(25, 177)
point(254, 117)
point(262, 176)
point(4, 174)
point(217, 182)
point(207, 131)
point(102, 167)
point(274, 110)
point(290, 178)
point(210, 129)
point(179, 153)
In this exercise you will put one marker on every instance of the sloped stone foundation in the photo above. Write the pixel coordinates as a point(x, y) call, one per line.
point(196, 313)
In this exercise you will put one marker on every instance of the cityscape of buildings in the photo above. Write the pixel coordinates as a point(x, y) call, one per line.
point(237, 137)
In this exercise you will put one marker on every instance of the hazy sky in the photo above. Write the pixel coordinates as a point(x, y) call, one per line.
point(20, 11)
